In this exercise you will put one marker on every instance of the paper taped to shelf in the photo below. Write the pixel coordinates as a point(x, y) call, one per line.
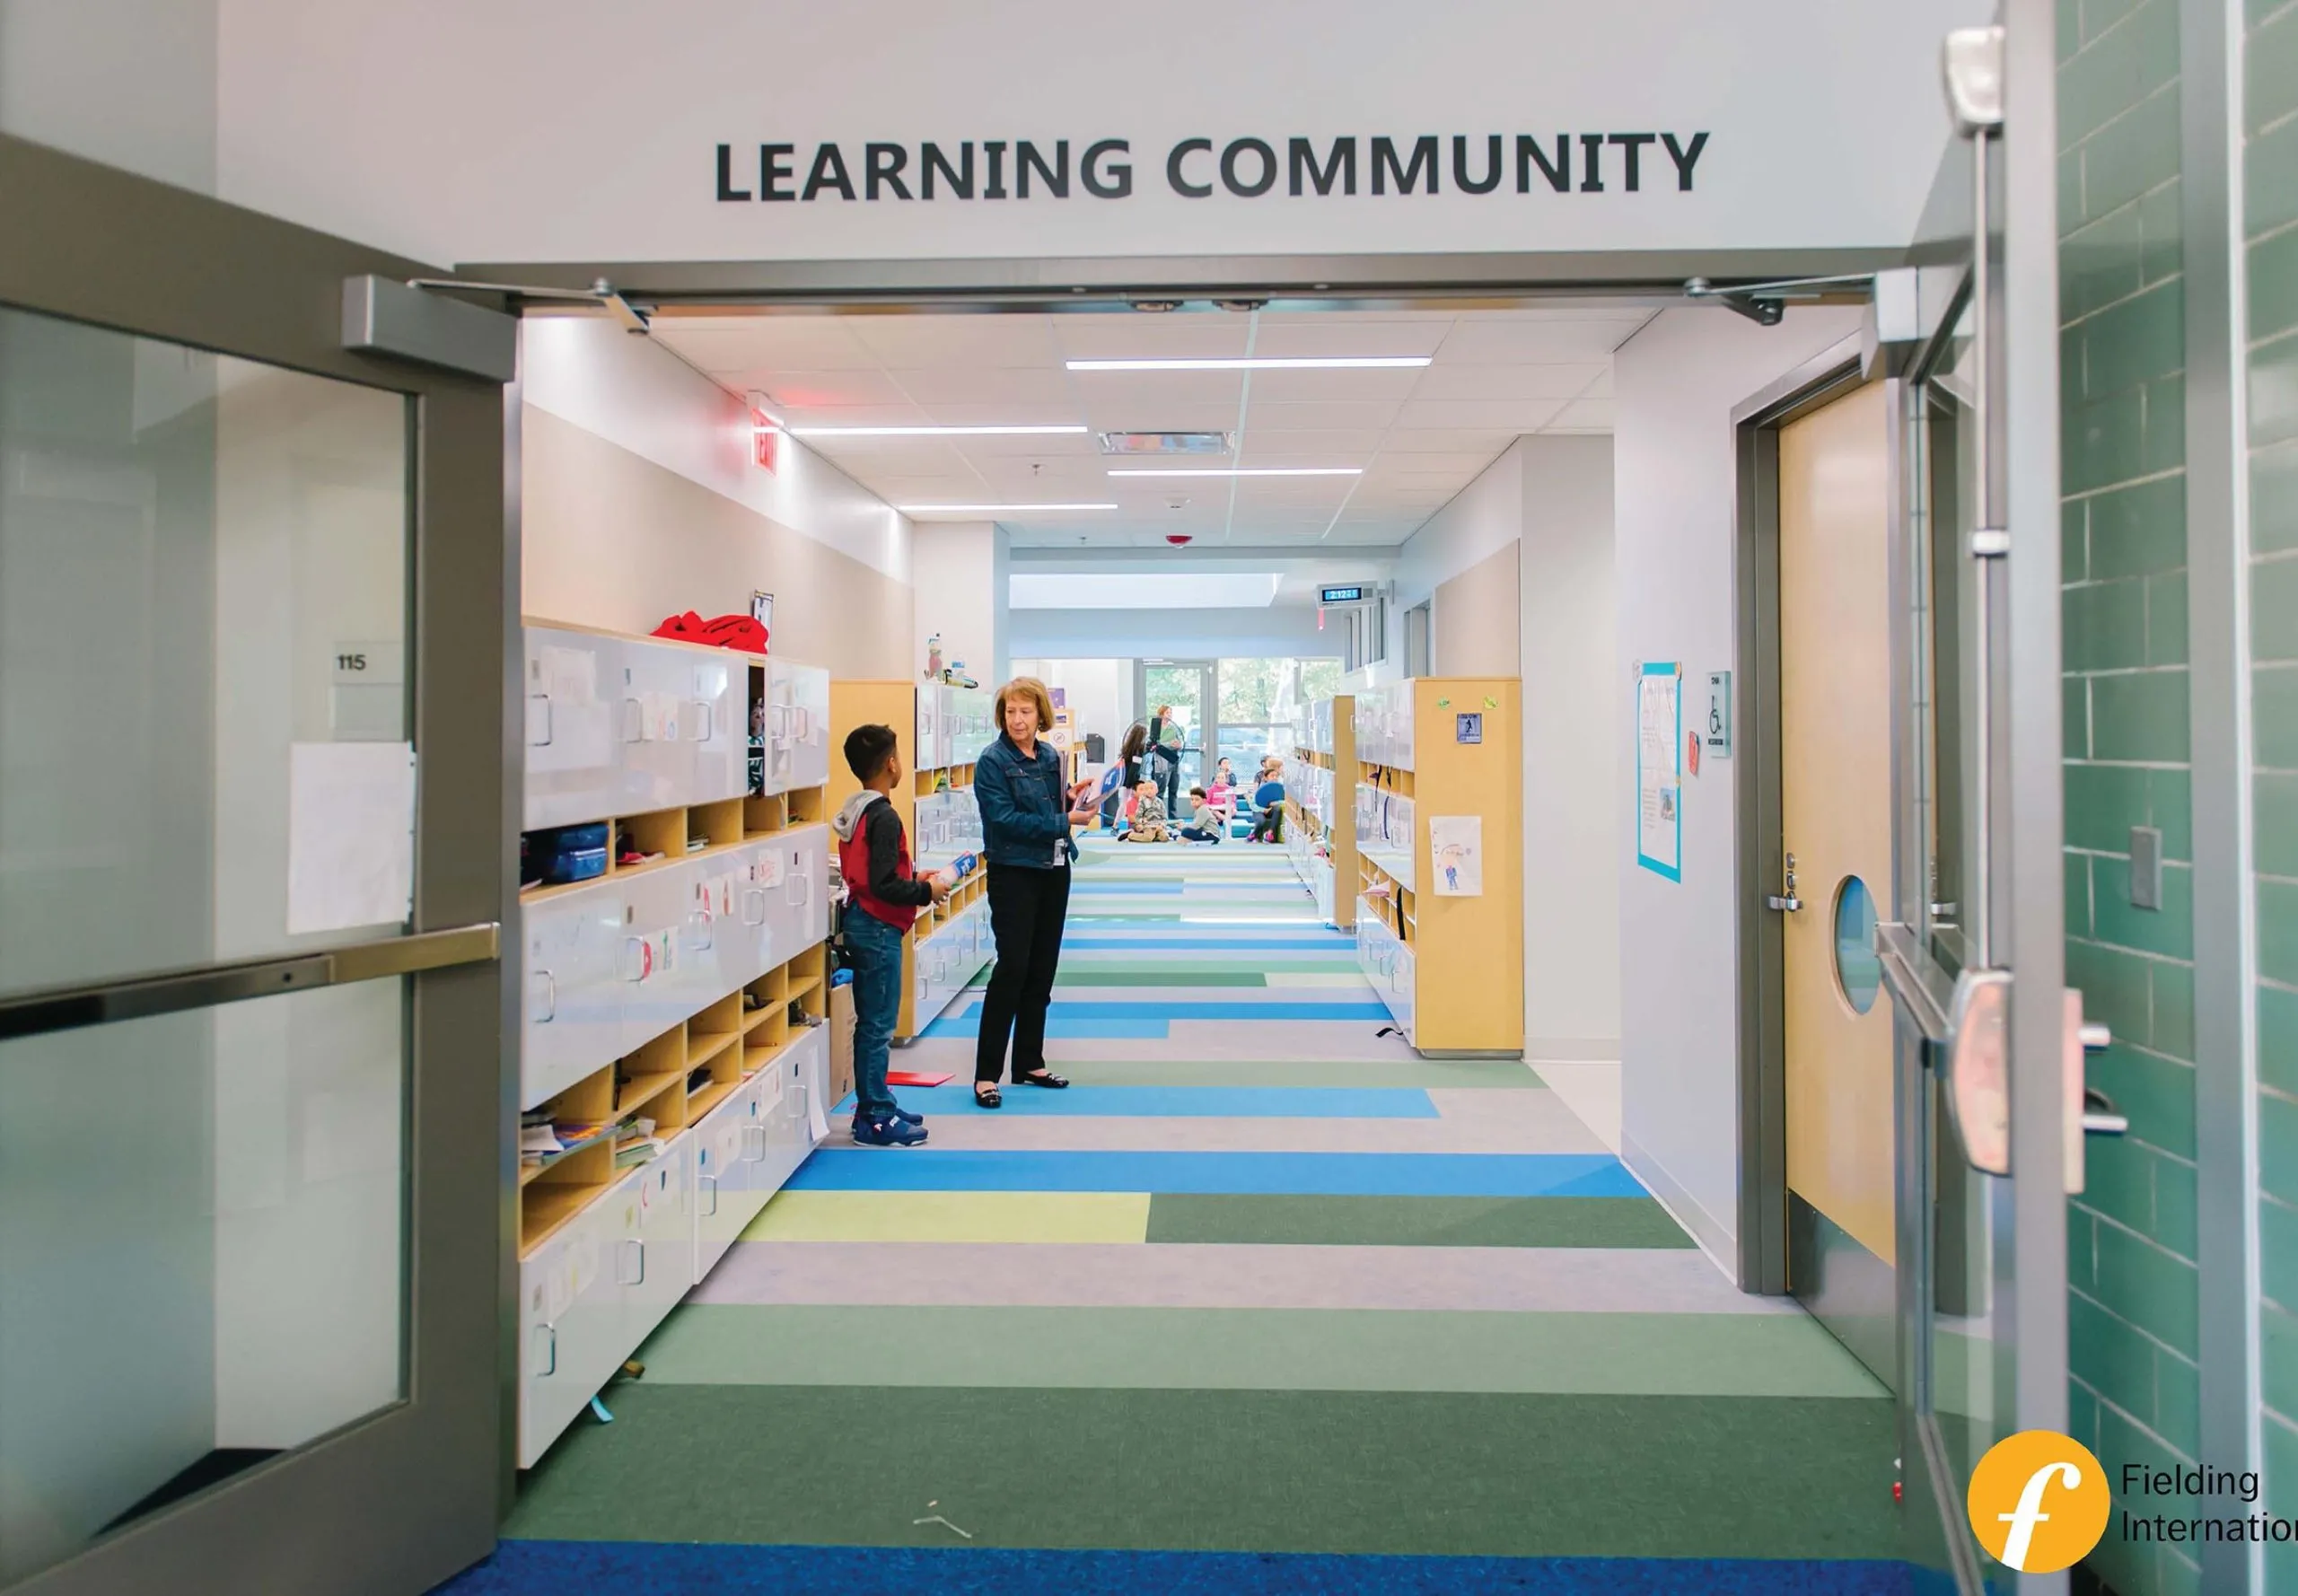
point(1456, 848)
point(350, 835)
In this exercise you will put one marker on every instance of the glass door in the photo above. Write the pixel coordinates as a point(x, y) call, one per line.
point(1183, 692)
point(1987, 1042)
point(253, 601)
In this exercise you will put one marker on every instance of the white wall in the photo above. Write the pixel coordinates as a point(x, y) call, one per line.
point(1099, 692)
point(959, 570)
point(586, 370)
point(1573, 783)
point(1280, 631)
point(131, 83)
point(1677, 383)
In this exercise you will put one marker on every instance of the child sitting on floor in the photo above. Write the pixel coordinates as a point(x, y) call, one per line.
point(1205, 822)
point(1148, 816)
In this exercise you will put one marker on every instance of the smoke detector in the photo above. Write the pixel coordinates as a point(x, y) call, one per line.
point(1179, 539)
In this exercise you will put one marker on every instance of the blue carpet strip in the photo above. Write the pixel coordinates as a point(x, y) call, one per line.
point(1190, 1103)
point(833, 1168)
point(567, 1567)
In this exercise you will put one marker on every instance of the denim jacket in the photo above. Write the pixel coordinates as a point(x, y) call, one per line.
point(1024, 808)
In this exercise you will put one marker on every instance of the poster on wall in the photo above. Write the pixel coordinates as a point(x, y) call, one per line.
point(1456, 845)
point(1659, 769)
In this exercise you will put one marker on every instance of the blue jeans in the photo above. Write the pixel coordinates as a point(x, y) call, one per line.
point(875, 950)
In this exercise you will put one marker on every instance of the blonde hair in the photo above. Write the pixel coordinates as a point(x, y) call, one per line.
point(1031, 688)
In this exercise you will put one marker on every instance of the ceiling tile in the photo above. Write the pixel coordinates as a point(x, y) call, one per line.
point(986, 341)
point(991, 385)
point(1523, 415)
point(1009, 414)
point(1350, 446)
point(1507, 381)
point(803, 390)
point(855, 415)
point(1487, 442)
point(1391, 463)
point(1334, 336)
point(1144, 335)
point(1288, 415)
point(1380, 383)
point(1535, 343)
point(1601, 388)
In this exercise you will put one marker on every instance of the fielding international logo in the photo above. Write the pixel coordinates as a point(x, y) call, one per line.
point(2038, 1502)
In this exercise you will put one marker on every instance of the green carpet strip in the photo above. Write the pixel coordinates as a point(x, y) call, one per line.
point(1414, 1222)
point(1246, 1470)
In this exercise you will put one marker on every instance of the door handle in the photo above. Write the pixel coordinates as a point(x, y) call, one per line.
point(543, 741)
point(2100, 1116)
point(707, 718)
point(638, 1243)
point(634, 720)
point(759, 918)
point(753, 1137)
point(551, 1012)
point(549, 1332)
point(712, 1211)
point(1785, 906)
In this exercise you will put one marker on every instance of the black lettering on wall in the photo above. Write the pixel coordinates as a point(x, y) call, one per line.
point(931, 160)
point(1558, 172)
point(775, 171)
point(1385, 165)
point(1341, 163)
point(1684, 159)
point(1118, 183)
point(726, 190)
point(1460, 165)
point(1592, 156)
point(1229, 165)
point(1026, 159)
point(1182, 185)
point(996, 188)
point(828, 172)
point(884, 163)
point(1634, 143)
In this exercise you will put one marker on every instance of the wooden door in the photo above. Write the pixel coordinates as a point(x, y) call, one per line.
point(1836, 809)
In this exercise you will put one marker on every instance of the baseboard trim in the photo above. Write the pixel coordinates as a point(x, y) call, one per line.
point(1715, 1240)
point(1572, 1049)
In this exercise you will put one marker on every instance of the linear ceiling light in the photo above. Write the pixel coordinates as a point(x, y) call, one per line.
point(1257, 363)
point(990, 509)
point(928, 432)
point(1247, 471)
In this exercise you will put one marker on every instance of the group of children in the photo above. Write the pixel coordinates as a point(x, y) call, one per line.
point(1215, 808)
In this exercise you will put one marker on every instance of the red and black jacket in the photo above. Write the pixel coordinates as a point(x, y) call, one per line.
point(874, 860)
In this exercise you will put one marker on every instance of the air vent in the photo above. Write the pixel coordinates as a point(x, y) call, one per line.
point(1165, 442)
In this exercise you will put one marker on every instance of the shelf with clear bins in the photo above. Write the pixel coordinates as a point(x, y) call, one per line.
point(942, 730)
point(673, 1047)
point(1321, 832)
point(1449, 967)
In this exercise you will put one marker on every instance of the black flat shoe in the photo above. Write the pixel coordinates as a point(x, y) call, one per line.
point(1045, 1078)
point(988, 1100)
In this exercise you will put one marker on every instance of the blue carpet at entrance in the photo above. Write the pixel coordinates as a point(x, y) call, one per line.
point(833, 1168)
point(575, 1568)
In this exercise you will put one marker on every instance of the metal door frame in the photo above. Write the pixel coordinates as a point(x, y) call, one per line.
point(1208, 705)
point(410, 1493)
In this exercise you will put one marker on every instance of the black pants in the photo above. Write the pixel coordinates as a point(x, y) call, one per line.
point(1027, 911)
point(1269, 824)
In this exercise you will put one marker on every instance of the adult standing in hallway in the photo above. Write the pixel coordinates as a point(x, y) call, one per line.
point(1165, 739)
point(1026, 817)
point(1133, 768)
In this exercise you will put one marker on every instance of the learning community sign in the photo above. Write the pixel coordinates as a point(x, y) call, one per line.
point(576, 130)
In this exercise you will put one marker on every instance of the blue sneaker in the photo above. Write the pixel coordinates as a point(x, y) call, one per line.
point(887, 1133)
point(906, 1118)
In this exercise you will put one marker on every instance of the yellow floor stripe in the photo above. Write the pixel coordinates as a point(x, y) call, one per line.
point(952, 1216)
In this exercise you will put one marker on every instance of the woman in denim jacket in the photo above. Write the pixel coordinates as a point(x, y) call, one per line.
point(1026, 816)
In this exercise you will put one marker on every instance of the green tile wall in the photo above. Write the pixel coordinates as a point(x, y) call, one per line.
point(2270, 187)
point(2133, 1309)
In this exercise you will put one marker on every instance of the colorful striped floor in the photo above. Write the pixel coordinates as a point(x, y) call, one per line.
point(1263, 1303)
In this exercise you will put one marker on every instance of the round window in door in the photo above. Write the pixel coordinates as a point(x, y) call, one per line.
point(1857, 971)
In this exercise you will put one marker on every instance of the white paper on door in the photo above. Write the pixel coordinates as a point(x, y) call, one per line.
point(350, 835)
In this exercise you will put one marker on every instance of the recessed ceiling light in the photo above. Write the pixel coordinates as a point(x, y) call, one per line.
point(1243, 471)
point(990, 509)
point(927, 432)
point(1256, 363)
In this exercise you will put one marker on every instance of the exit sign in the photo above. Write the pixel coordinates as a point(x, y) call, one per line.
point(1341, 595)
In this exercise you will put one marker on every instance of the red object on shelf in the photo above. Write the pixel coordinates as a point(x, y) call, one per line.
point(916, 1078)
point(1898, 1491)
point(743, 632)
